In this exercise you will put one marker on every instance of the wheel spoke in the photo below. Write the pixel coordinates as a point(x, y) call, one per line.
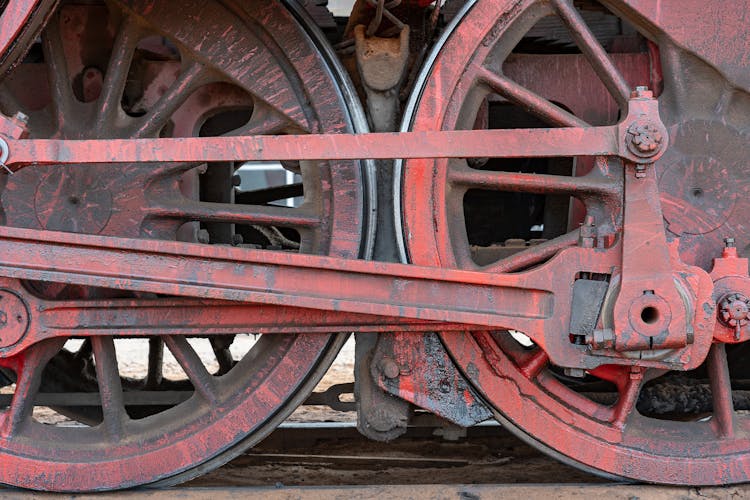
point(468, 177)
point(628, 395)
point(178, 92)
point(193, 367)
point(267, 195)
point(116, 75)
point(27, 384)
point(594, 52)
point(533, 365)
point(268, 215)
point(220, 346)
point(525, 98)
point(533, 254)
point(721, 391)
point(110, 386)
point(58, 74)
point(264, 121)
point(155, 362)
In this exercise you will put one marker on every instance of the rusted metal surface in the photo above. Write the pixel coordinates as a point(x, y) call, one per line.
point(417, 368)
point(109, 72)
point(120, 219)
point(449, 144)
point(518, 379)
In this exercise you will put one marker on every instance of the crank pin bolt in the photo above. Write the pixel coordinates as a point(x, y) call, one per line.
point(645, 139)
point(734, 311)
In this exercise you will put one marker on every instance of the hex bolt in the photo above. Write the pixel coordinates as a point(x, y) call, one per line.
point(21, 118)
point(237, 240)
point(601, 339)
point(729, 242)
point(575, 372)
point(236, 180)
point(445, 386)
point(389, 368)
point(587, 237)
point(641, 92)
point(203, 236)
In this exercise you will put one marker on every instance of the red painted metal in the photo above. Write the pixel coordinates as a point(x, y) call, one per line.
point(14, 19)
point(521, 382)
point(125, 70)
point(116, 169)
point(384, 145)
point(537, 302)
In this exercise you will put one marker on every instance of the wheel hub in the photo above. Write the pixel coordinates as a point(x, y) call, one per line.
point(73, 199)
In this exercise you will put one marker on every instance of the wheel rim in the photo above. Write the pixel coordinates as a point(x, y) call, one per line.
point(609, 438)
point(293, 86)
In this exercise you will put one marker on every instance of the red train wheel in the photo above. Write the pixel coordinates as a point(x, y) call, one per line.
point(482, 215)
point(138, 69)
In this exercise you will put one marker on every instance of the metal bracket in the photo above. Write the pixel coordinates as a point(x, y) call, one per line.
point(417, 368)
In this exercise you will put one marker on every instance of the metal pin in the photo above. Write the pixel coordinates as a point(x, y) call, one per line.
point(4, 153)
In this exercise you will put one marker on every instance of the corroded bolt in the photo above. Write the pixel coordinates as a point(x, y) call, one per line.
point(645, 139)
point(389, 368)
point(734, 310)
point(601, 339)
point(641, 92)
point(21, 118)
point(587, 235)
point(575, 372)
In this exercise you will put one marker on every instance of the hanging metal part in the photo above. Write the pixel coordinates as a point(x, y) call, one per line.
point(382, 65)
point(417, 368)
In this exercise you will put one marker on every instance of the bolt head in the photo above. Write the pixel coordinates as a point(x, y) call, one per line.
point(641, 92)
point(389, 368)
point(644, 139)
point(21, 117)
point(734, 309)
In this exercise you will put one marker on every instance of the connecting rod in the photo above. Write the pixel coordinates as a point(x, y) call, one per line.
point(534, 302)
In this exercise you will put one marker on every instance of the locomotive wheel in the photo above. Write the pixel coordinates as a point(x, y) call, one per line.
point(131, 69)
point(448, 208)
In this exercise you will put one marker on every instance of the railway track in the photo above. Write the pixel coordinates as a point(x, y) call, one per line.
point(333, 461)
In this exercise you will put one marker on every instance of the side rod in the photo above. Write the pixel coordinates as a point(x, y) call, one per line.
point(533, 302)
point(433, 144)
